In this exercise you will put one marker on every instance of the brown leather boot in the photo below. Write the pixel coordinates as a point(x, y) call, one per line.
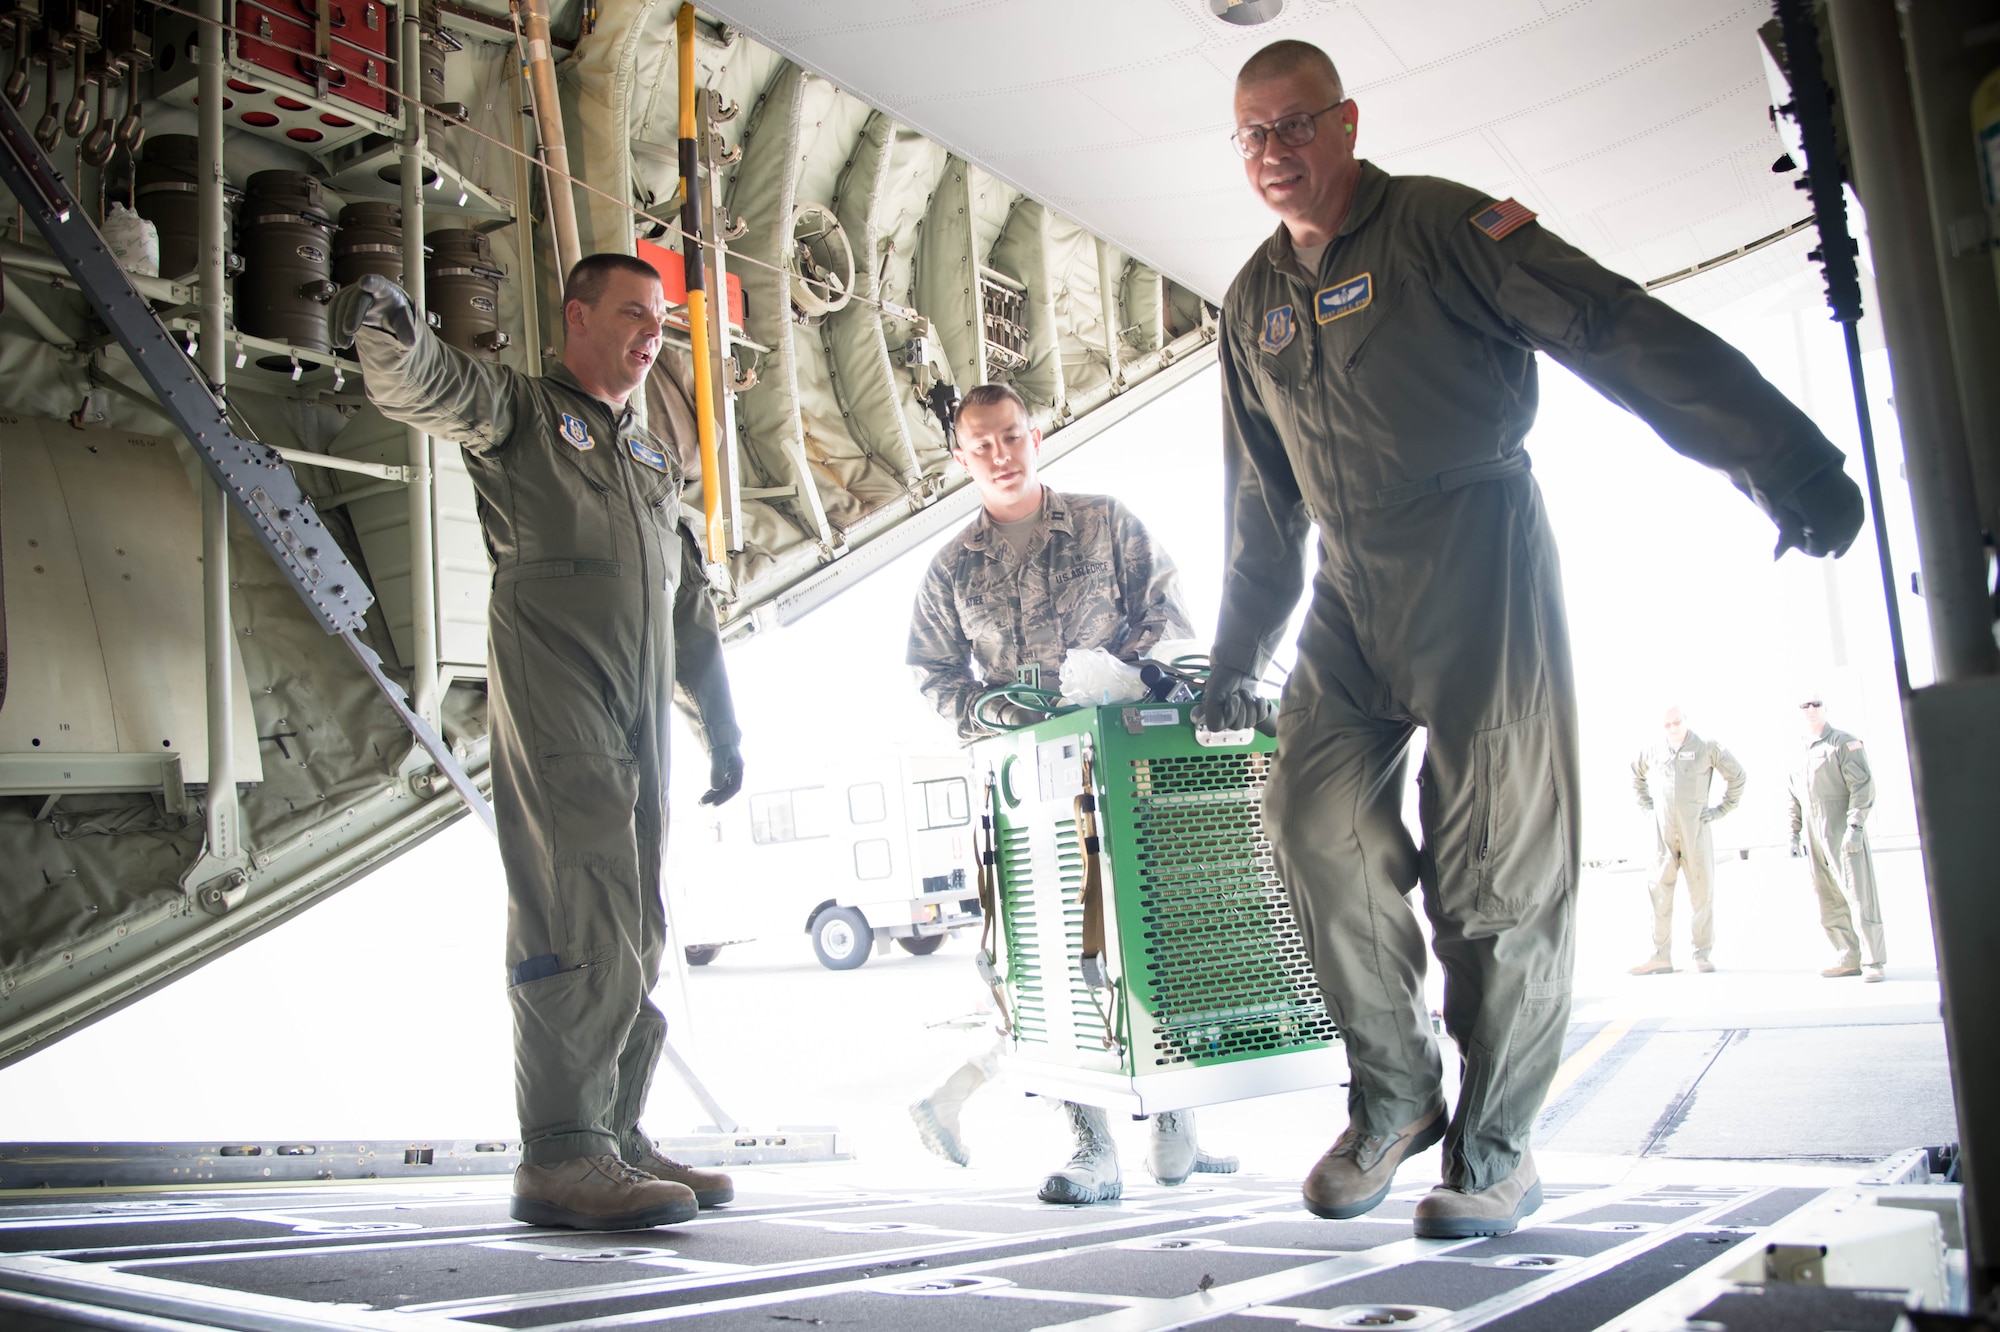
point(711, 1188)
point(1448, 1213)
point(1354, 1175)
point(597, 1193)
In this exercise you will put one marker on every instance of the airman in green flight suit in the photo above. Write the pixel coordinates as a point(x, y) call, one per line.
point(1672, 782)
point(1378, 370)
point(1832, 793)
point(599, 616)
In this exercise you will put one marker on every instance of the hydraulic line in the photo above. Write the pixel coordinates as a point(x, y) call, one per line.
point(549, 126)
point(695, 269)
point(1812, 108)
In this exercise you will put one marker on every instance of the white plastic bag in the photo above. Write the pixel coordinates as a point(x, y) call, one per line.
point(1167, 650)
point(134, 240)
point(1092, 677)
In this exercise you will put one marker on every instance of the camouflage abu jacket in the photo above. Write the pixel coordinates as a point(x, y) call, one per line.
point(1091, 578)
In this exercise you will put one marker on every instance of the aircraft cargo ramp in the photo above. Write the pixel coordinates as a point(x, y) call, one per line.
point(812, 1247)
point(1696, 1120)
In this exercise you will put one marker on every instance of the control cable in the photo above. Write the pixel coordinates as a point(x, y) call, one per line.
point(1811, 108)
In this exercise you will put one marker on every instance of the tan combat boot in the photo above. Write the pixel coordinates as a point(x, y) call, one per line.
point(1092, 1174)
point(711, 1188)
point(1448, 1213)
point(1172, 1153)
point(597, 1193)
point(1354, 1175)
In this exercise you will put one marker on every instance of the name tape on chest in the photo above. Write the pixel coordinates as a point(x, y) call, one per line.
point(646, 454)
point(576, 434)
point(1280, 327)
point(1343, 298)
point(1503, 219)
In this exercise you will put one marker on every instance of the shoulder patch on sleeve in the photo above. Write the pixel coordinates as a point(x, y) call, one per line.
point(1502, 219)
point(1854, 744)
point(1280, 327)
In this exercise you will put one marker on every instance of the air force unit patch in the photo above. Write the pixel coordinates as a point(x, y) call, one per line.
point(576, 433)
point(1502, 219)
point(1279, 330)
point(1343, 298)
point(651, 457)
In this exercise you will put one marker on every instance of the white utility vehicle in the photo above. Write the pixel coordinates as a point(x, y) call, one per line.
point(856, 854)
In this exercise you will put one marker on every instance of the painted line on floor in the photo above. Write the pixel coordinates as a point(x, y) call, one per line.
point(1580, 1063)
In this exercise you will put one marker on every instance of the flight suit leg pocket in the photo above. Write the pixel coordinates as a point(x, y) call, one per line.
point(1517, 822)
point(590, 798)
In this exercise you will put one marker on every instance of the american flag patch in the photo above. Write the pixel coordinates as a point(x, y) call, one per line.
point(1502, 219)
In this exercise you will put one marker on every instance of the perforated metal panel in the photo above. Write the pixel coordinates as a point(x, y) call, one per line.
point(1224, 967)
point(1212, 995)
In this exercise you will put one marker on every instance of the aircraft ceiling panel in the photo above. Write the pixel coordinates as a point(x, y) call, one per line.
point(1638, 129)
point(1011, 128)
point(1443, 30)
point(1023, 45)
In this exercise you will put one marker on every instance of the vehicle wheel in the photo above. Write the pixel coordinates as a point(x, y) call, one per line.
point(701, 955)
point(842, 938)
point(924, 946)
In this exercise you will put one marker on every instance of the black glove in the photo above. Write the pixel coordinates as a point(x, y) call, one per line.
point(1229, 702)
point(1822, 516)
point(725, 774)
point(373, 302)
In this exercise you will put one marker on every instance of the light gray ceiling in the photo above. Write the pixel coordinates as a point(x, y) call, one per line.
point(1637, 128)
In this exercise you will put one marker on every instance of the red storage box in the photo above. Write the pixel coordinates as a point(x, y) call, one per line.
point(272, 36)
point(673, 277)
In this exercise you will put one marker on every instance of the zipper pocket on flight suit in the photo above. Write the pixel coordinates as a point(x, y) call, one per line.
point(1384, 312)
point(570, 455)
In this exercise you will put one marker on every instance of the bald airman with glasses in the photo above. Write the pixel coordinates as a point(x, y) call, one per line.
point(1379, 377)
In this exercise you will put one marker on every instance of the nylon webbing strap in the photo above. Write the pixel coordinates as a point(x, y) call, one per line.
point(992, 930)
point(1094, 973)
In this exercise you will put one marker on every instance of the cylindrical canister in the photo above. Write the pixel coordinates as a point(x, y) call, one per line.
point(462, 289)
point(166, 195)
point(370, 240)
point(286, 238)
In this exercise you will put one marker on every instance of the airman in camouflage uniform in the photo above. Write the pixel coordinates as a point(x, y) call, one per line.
point(1379, 376)
point(600, 615)
point(1036, 574)
point(1088, 576)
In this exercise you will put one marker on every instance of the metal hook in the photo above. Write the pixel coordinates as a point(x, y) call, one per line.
point(49, 128)
point(130, 132)
point(76, 116)
point(102, 140)
point(17, 79)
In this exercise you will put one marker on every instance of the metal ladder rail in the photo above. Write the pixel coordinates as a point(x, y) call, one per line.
point(257, 481)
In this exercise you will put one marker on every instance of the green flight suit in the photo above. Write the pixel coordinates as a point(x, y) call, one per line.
point(1386, 398)
point(599, 613)
point(1832, 791)
point(1672, 783)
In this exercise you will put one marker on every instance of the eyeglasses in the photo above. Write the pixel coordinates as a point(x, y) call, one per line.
point(1292, 131)
point(1804, 706)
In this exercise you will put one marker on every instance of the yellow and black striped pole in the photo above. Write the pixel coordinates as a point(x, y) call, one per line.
point(716, 544)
